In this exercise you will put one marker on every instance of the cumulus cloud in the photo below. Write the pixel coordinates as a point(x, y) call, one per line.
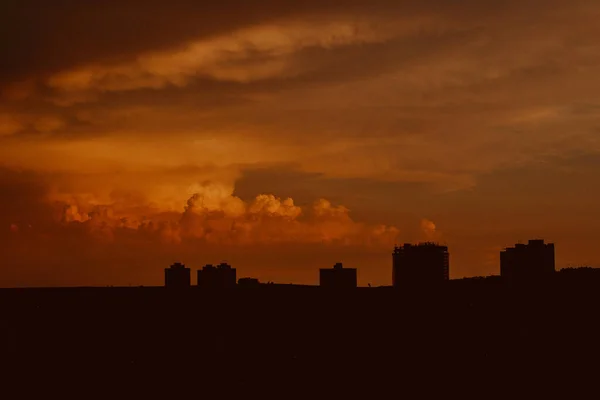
point(72, 214)
point(215, 215)
point(429, 229)
point(269, 205)
point(212, 197)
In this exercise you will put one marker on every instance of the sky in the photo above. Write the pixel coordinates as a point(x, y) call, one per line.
point(284, 137)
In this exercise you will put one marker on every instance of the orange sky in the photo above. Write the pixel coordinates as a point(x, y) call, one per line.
point(287, 137)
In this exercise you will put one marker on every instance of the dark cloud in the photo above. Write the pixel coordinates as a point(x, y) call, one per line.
point(40, 37)
point(22, 199)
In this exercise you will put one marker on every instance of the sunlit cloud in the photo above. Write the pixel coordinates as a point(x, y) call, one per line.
point(429, 229)
point(246, 55)
point(214, 215)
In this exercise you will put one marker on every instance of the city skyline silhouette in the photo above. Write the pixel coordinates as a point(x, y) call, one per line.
point(413, 266)
point(412, 263)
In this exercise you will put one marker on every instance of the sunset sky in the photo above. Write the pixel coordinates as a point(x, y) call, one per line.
point(287, 136)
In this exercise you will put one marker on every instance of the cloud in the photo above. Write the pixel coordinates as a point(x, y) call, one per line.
point(269, 205)
point(408, 92)
point(250, 54)
point(212, 215)
point(429, 229)
point(40, 27)
point(72, 214)
point(9, 125)
point(12, 123)
point(395, 109)
point(18, 91)
point(269, 219)
point(48, 124)
point(212, 197)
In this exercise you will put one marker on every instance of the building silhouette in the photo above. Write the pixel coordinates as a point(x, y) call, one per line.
point(248, 282)
point(177, 276)
point(529, 262)
point(338, 277)
point(221, 276)
point(420, 264)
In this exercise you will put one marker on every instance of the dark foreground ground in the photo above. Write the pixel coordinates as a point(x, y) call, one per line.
point(472, 336)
